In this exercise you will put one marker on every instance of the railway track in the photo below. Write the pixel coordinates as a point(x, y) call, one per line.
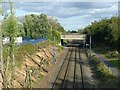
point(70, 74)
point(80, 62)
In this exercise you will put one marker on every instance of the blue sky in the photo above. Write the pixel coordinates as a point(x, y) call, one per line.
point(71, 15)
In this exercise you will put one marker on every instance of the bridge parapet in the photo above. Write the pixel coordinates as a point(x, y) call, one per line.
point(74, 36)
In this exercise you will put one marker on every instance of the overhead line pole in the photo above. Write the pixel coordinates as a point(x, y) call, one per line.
point(11, 6)
point(90, 42)
point(54, 49)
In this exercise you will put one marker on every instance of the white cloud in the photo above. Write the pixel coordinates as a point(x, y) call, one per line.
point(63, 0)
point(71, 15)
point(77, 22)
point(66, 9)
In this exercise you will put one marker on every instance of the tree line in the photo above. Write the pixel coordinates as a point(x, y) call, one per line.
point(37, 26)
point(41, 26)
point(104, 32)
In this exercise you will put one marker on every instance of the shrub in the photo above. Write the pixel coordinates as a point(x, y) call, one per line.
point(59, 48)
point(112, 54)
point(55, 34)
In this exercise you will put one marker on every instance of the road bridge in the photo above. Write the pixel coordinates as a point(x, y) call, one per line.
point(73, 36)
point(79, 37)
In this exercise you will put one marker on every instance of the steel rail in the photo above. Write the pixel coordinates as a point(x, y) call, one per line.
point(75, 68)
point(63, 84)
point(83, 87)
point(60, 69)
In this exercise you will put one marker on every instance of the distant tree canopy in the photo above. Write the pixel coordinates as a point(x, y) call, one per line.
point(38, 26)
point(80, 31)
point(71, 31)
point(104, 32)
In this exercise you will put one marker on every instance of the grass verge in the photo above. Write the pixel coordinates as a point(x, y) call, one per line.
point(27, 48)
point(103, 72)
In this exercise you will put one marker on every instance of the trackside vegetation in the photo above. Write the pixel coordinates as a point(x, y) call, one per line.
point(105, 37)
point(102, 71)
point(29, 48)
point(105, 33)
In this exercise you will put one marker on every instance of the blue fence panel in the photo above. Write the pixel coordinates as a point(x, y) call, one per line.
point(33, 41)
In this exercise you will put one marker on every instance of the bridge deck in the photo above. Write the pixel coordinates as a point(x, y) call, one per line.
point(74, 36)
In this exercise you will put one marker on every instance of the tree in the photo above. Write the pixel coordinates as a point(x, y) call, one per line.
point(37, 26)
point(10, 27)
point(114, 32)
point(36, 31)
point(55, 34)
point(80, 31)
point(1, 48)
point(55, 24)
point(104, 32)
point(44, 25)
point(10, 30)
point(28, 26)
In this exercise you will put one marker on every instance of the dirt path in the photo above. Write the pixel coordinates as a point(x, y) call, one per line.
point(115, 71)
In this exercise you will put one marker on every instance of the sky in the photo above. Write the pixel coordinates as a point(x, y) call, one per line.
point(71, 15)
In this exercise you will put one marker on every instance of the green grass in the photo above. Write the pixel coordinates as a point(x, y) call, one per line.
point(104, 51)
point(21, 51)
point(100, 50)
point(31, 49)
point(115, 62)
point(103, 72)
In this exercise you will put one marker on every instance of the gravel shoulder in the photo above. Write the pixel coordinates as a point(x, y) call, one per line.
point(89, 76)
